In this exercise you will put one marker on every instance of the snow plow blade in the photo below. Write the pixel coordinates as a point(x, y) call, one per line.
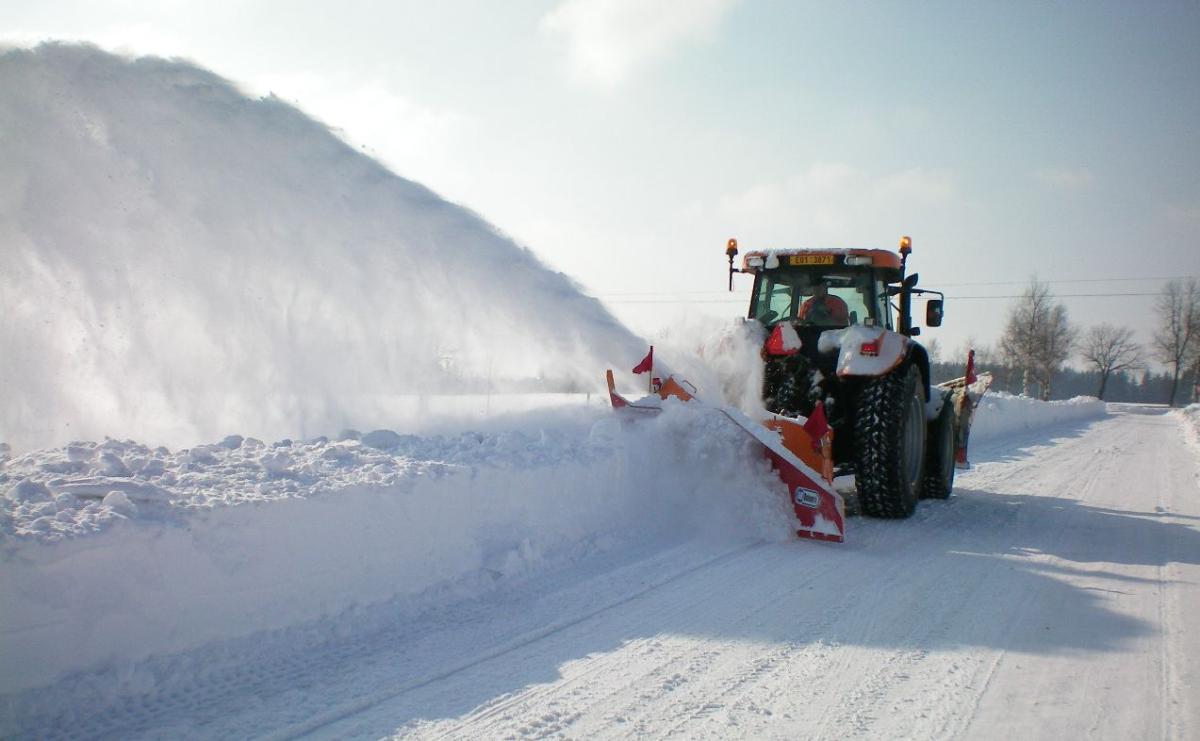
point(964, 394)
point(803, 464)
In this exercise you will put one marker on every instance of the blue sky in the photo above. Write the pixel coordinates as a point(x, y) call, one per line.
point(624, 141)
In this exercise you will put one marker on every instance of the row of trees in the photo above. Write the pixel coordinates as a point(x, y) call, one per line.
point(1142, 385)
point(1039, 338)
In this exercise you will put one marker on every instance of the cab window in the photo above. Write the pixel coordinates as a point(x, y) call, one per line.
point(783, 294)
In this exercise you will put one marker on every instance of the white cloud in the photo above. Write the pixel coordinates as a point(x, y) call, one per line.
point(1079, 178)
point(835, 203)
point(607, 39)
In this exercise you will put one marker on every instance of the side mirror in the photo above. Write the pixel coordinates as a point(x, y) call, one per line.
point(933, 313)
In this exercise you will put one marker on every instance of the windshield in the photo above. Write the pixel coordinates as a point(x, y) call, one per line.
point(824, 299)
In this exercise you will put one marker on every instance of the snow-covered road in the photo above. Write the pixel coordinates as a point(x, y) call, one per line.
point(1048, 599)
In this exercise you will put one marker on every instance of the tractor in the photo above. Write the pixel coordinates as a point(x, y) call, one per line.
point(841, 342)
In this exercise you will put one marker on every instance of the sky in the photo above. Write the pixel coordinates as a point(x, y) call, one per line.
point(624, 141)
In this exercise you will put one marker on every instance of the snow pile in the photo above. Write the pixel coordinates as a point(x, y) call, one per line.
point(1189, 418)
point(116, 552)
point(181, 262)
point(1000, 413)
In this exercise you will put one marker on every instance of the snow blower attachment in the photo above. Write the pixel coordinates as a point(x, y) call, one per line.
point(800, 450)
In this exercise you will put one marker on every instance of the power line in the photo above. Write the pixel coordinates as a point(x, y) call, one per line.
point(1058, 295)
point(946, 285)
point(948, 298)
point(1067, 280)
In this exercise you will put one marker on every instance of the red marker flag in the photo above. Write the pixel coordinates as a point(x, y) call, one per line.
point(971, 377)
point(817, 426)
point(647, 363)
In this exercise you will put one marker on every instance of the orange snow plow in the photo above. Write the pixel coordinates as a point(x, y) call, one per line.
point(800, 451)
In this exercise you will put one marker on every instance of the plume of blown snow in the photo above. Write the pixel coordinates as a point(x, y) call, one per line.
point(182, 261)
point(719, 356)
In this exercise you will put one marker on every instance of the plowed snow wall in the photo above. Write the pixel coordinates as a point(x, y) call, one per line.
point(101, 602)
point(1001, 414)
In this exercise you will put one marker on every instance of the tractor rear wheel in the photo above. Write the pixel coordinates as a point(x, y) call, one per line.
point(889, 443)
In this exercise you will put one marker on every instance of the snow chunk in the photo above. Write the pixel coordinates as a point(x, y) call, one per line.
point(120, 504)
point(202, 455)
point(232, 442)
point(277, 462)
point(111, 464)
point(98, 487)
point(28, 491)
point(80, 452)
point(830, 340)
point(382, 440)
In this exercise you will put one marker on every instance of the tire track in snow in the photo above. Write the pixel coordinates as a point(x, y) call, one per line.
point(901, 667)
point(1098, 538)
point(641, 653)
point(685, 664)
point(323, 720)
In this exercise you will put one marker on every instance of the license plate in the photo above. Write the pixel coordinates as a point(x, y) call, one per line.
point(810, 260)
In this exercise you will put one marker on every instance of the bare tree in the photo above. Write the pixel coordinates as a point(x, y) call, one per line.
point(1058, 342)
point(1037, 337)
point(933, 348)
point(1178, 309)
point(984, 354)
point(1110, 349)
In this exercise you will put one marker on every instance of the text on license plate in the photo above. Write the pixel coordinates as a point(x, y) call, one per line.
point(810, 259)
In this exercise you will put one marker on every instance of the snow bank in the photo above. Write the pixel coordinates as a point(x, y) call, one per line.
point(1001, 414)
point(1189, 418)
point(116, 552)
point(181, 261)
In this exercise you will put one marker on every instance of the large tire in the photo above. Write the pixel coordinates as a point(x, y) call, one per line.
point(889, 443)
point(939, 456)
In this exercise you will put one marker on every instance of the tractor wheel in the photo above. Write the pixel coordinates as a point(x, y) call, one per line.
point(889, 442)
point(939, 458)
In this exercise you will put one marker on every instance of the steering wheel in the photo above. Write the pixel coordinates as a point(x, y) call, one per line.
point(768, 317)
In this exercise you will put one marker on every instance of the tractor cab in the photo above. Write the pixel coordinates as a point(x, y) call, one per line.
point(812, 288)
point(815, 290)
point(837, 321)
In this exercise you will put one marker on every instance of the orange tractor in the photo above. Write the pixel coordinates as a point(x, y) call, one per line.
point(846, 387)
